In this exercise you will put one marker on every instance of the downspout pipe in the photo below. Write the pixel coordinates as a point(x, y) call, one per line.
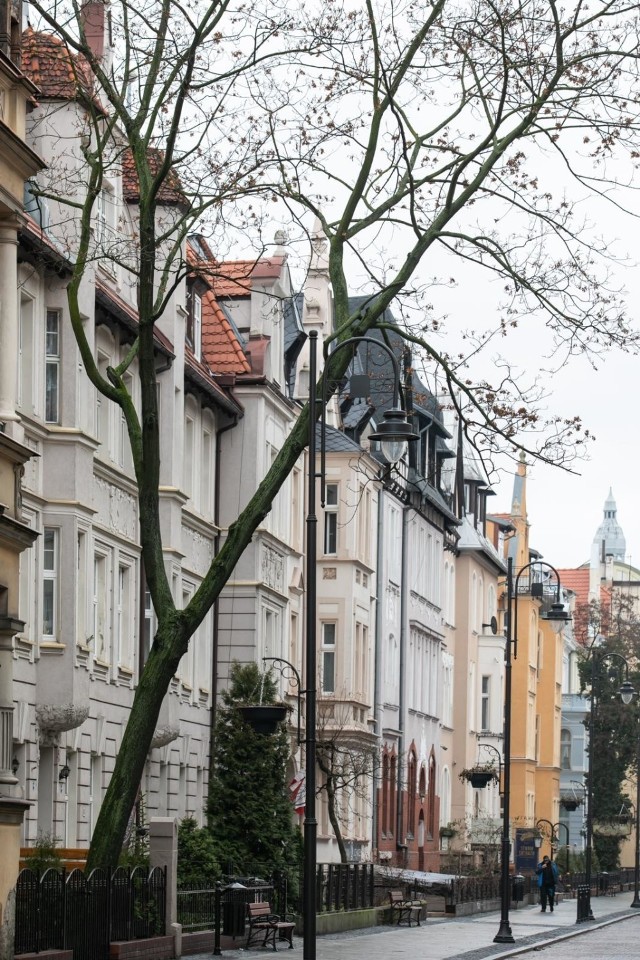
point(400, 842)
point(378, 707)
point(216, 616)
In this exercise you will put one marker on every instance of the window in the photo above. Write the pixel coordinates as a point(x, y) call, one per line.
point(189, 452)
point(485, 704)
point(81, 588)
point(149, 624)
point(385, 794)
point(50, 582)
point(194, 320)
point(125, 629)
point(105, 217)
point(52, 367)
point(26, 354)
point(328, 657)
point(331, 519)
point(565, 750)
point(100, 606)
point(411, 777)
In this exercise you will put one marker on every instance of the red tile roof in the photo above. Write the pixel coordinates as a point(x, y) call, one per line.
point(577, 581)
point(220, 345)
point(58, 73)
point(170, 192)
point(234, 279)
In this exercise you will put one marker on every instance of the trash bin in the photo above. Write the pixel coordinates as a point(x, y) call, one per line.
point(603, 882)
point(517, 888)
point(233, 909)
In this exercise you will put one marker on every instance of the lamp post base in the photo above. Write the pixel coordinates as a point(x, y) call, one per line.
point(504, 934)
point(636, 901)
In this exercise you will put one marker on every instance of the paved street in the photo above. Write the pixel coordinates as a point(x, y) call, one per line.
point(615, 934)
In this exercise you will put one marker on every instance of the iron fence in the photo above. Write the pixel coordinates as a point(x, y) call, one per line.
point(70, 911)
point(344, 886)
point(198, 910)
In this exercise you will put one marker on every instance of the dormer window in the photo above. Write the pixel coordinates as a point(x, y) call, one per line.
point(194, 317)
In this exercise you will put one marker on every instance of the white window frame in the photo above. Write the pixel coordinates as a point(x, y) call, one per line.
point(50, 580)
point(101, 558)
point(52, 365)
point(125, 627)
point(485, 703)
point(330, 533)
point(329, 635)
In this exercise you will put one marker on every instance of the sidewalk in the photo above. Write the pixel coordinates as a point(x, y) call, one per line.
point(471, 938)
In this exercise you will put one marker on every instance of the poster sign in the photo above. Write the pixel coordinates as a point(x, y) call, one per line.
point(298, 793)
point(525, 850)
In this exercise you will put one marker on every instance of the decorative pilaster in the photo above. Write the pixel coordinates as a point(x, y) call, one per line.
point(8, 320)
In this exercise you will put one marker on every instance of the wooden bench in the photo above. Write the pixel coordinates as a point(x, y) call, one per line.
point(405, 910)
point(263, 926)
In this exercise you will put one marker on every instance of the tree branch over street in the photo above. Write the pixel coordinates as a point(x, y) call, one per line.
point(459, 135)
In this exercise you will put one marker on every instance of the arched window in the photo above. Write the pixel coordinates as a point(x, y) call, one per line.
point(393, 767)
point(385, 795)
point(411, 789)
point(431, 797)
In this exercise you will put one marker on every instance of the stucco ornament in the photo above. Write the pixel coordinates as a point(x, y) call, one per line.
point(54, 719)
point(165, 734)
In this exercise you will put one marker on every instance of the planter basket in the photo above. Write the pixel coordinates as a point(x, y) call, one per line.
point(569, 803)
point(263, 717)
point(480, 780)
point(615, 827)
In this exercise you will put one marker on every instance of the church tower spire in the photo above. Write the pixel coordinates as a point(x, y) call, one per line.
point(609, 536)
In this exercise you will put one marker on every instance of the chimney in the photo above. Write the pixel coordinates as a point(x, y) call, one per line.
point(94, 17)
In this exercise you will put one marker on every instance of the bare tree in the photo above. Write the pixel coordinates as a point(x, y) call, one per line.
point(423, 128)
point(346, 760)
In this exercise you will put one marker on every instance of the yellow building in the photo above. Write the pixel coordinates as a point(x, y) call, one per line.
point(536, 679)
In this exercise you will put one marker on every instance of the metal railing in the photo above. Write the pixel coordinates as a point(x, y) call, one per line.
point(344, 886)
point(71, 911)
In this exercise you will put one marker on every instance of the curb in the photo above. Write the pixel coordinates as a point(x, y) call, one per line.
point(548, 941)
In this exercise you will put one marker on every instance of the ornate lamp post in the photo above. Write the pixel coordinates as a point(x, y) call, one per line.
point(636, 868)
point(626, 691)
point(553, 832)
point(393, 434)
point(558, 616)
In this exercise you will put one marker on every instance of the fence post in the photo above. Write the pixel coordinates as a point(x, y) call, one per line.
point(163, 852)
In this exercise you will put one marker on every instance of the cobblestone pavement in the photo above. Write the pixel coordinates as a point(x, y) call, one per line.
point(615, 934)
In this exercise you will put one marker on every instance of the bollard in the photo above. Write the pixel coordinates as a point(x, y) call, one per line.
point(584, 903)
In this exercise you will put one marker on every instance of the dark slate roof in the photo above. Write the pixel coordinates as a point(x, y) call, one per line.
point(337, 442)
point(376, 363)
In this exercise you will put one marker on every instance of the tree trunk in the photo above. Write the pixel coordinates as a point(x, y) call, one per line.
point(165, 655)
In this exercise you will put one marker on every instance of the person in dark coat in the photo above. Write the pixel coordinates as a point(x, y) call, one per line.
point(547, 879)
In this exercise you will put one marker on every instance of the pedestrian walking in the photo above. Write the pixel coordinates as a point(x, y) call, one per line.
point(547, 879)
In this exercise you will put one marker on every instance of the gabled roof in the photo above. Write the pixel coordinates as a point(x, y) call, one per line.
point(58, 73)
point(221, 347)
point(236, 278)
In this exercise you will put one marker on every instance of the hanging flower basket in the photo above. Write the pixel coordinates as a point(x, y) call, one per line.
point(480, 776)
point(619, 826)
point(264, 718)
point(570, 803)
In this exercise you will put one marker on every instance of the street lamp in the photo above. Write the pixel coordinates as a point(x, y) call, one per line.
point(558, 616)
point(554, 839)
point(626, 691)
point(393, 433)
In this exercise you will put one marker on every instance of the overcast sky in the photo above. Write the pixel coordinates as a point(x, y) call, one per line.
point(565, 510)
